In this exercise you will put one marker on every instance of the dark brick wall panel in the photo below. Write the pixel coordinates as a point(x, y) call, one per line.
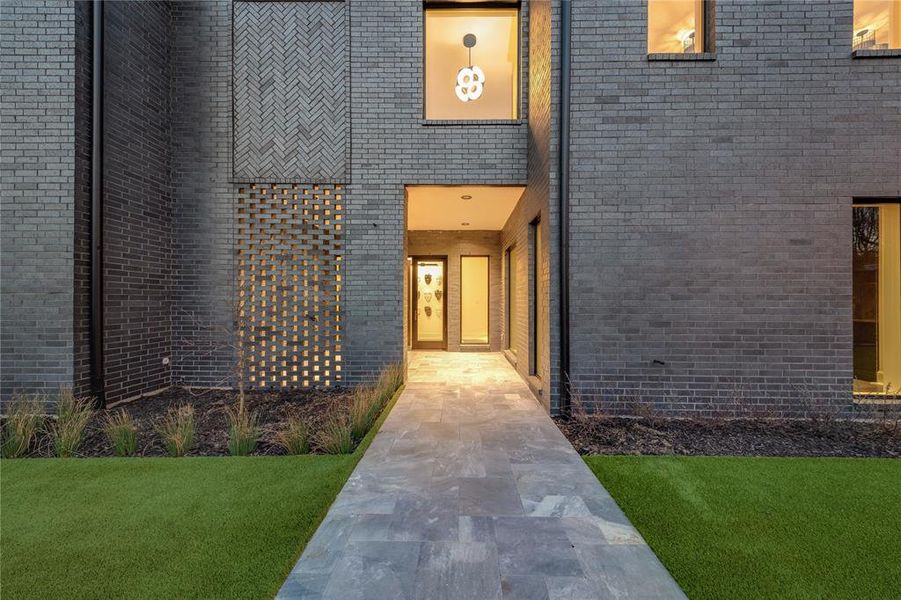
point(82, 210)
point(137, 198)
point(203, 197)
point(37, 135)
point(711, 207)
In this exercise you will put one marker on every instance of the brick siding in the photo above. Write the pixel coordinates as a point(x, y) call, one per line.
point(711, 207)
point(37, 76)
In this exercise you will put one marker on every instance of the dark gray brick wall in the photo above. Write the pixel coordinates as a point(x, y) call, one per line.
point(137, 236)
point(454, 245)
point(81, 299)
point(711, 207)
point(203, 197)
point(37, 78)
point(392, 147)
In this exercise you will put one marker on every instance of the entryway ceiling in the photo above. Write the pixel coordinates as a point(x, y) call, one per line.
point(445, 207)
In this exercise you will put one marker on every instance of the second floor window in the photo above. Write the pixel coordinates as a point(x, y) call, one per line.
point(877, 25)
point(676, 26)
point(471, 63)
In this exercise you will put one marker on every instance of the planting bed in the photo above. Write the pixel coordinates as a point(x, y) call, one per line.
point(749, 437)
point(273, 409)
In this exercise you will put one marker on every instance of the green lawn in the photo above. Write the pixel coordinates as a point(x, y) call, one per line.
point(206, 527)
point(766, 527)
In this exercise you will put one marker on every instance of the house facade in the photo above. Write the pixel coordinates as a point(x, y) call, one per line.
point(680, 206)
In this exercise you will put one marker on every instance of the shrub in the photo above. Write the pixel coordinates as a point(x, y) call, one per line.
point(242, 431)
point(23, 419)
point(335, 437)
point(295, 438)
point(72, 417)
point(363, 411)
point(177, 430)
point(122, 433)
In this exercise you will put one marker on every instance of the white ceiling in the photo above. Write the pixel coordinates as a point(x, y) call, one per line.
point(441, 208)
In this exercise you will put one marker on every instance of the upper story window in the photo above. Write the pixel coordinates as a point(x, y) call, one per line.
point(676, 27)
point(471, 63)
point(877, 25)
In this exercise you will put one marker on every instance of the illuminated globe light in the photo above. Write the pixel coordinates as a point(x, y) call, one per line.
point(470, 83)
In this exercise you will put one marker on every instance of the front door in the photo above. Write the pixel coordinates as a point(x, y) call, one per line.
point(429, 302)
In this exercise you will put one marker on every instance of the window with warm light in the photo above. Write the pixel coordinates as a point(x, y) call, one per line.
point(535, 329)
point(471, 63)
point(876, 299)
point(877, 25)
point(510, 295)
point(676, 26)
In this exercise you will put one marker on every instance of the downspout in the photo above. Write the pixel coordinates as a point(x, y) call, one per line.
point(563, 174)
point(96, 312)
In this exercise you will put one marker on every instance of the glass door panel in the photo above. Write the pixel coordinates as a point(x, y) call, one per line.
point(430, 302)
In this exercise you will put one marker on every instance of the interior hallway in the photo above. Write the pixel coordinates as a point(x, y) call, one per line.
point(470, 491)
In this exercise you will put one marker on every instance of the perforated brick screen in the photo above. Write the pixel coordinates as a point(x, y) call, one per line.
point(289, 284)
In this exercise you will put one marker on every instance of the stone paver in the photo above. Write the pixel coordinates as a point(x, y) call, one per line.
point(470, 491)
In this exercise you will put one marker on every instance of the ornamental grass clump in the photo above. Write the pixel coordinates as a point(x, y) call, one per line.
point(336, 437)
point(72, 417)
point(23, 419)
point(294, 438)
point(177, 430)
point(122, 433)
point(243, 431)
point(364, 409)
point(390, 379)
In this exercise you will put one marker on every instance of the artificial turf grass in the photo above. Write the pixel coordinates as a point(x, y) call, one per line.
point(741, 527)
point(204, 527)
point(155, 527)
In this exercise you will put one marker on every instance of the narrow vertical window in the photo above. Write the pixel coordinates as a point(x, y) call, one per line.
point(471, 63)
point(510, 300)
point(473, 299)
point(877, 25)
point(535, 272)
point(676, 26)
point(877, 297)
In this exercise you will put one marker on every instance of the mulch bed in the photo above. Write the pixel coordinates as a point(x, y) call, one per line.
point(735, 437)
point(273, 410)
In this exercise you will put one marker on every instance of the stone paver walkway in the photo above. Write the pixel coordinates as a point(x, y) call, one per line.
point(470, 491)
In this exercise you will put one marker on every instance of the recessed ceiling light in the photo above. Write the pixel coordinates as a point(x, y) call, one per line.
point(466, 197)
point(464, 224)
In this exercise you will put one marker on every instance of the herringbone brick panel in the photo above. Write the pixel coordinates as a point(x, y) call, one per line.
point(291, 91)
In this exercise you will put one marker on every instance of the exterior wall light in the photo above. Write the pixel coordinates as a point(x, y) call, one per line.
point(471, 79)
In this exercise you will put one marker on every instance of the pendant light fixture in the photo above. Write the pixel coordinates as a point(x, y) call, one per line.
point(471, 79)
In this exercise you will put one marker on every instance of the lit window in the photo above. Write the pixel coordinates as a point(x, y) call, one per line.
point(536, 342)
point(877, 298)
point(675, 26)
point(510, 293)
point(471, 63)
point(877, 24)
